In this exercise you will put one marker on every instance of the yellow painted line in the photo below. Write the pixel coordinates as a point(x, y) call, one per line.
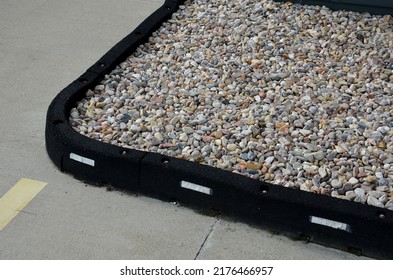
point(17, 198)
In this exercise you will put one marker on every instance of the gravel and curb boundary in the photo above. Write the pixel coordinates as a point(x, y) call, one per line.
point(321, 219)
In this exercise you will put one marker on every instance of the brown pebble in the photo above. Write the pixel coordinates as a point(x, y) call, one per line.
point(362, 175)
point(217, 134)
point(324, 190)
point(382, 145)
point(252, 165)
point(207, 138)
point(167, 145)
point(156, 99)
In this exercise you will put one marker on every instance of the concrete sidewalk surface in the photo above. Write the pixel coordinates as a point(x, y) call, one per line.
point(44, 46)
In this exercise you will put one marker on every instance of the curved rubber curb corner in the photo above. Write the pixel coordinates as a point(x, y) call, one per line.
point(345, 225)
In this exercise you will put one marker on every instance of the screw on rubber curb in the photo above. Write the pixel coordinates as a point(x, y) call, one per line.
point(346, 225)
point(376, 7)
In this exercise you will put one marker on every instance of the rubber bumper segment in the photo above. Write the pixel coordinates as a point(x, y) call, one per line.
point(376, 7)
point(312, 216)
point(332, 222)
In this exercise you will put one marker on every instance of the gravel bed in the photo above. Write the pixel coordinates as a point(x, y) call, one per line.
point(299, 96)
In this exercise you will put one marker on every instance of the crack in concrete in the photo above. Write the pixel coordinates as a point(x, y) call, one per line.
point(209, 234)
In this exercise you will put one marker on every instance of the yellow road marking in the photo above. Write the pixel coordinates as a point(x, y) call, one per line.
point(17, 198)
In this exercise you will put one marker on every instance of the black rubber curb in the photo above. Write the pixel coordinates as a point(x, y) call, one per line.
point(345, 225)
point(376, 7)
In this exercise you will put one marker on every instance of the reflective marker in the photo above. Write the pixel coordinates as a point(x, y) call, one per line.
point(195, 187)
point(81, 159)
point(330, 223)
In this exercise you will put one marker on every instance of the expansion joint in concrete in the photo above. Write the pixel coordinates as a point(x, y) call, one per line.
point(209, 234)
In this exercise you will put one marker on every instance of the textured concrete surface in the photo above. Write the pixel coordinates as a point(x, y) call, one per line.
point(46, 44)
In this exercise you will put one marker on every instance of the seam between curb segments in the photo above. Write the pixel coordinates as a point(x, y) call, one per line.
point(140, 171)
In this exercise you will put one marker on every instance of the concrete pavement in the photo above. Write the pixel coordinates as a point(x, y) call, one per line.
point(45, 45)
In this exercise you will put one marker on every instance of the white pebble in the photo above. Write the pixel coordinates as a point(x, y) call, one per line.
point(231, 147)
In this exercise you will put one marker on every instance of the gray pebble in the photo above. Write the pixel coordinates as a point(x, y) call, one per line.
point(188, 130)
point(389, 205)
point(319, 155)
point(269, 160)
point(336, 184)
point(322, 172)
point(347, 186)
point(159, 136)
point(125, 118)
point(313, 110)
point(359, 191)
point(135, 128)
point(183, 137)
point(374, 202)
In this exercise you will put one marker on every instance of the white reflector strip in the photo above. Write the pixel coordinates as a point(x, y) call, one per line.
point(195, 187)
point(81, 159)
point(330, 223)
